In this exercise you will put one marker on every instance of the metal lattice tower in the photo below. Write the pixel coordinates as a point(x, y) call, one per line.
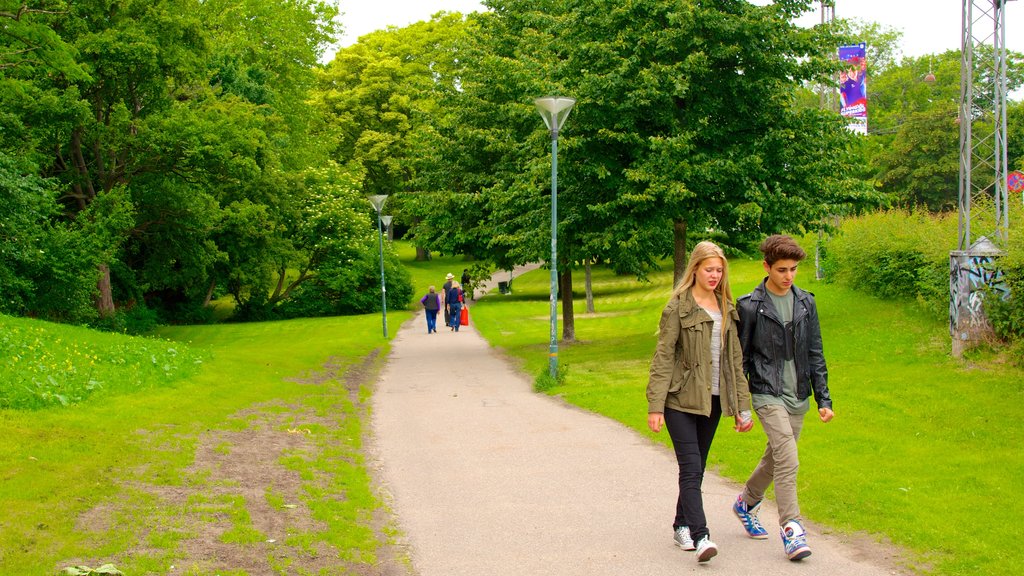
point(983, 200)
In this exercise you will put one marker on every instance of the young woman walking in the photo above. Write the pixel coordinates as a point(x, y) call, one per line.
point(696, 376)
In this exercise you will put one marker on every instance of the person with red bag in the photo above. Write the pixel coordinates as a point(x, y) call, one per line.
point(455, 299)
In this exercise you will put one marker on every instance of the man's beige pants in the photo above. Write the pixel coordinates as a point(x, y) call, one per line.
point(779, 463)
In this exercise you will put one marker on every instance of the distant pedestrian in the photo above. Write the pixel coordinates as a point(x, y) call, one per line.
point(784, 362)
point(455, 304)
point(466, 287)
point(696, 376)
point(431, 305)
point(448, 278)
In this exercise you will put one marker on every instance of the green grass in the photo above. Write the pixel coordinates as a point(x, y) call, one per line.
point(924, 450)
point(112, 452)
point(44, 365)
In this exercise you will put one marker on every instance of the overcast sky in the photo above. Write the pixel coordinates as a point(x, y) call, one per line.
point(928, 26)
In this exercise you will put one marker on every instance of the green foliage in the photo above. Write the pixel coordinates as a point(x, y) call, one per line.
point(137, 320)
point(915, 156)
point(26, 204)
point(1007, 316)
point(883, 43)
point(478, 272)
point(683, 114)
point(352, 289)
point(45, 365)
point(177, 145)
point(895, 254)
point(912, 152)
point(1015, 135)
point(544, 382)
point(108, 569)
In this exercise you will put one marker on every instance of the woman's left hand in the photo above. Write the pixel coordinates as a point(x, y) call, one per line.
point(655, 420)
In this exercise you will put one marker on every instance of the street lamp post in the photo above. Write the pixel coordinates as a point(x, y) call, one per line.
point(554, 110)
point(378, 205)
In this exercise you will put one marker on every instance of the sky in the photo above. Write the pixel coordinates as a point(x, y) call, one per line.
point(928, 26)
point(361, 17)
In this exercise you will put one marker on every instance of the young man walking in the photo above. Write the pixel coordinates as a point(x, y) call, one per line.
point(784, 364)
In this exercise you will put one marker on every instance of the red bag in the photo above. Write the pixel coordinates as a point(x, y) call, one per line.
point(464, 317)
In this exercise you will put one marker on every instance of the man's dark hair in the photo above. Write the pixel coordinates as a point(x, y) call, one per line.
point(781, 247)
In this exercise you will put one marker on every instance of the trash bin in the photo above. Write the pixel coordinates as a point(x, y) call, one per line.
point(503, 288)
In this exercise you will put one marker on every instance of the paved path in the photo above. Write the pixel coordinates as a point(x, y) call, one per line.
point(488, 478)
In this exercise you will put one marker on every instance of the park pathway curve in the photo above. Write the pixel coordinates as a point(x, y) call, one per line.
point(488, 478)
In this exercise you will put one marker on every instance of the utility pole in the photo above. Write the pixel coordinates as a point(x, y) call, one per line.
point(983, 202)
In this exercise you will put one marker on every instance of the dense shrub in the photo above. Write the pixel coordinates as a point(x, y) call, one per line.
point(898, 254)
point(351, 287)
point(137, 320)
point(1007, 316)
point(44, 365)
point(895, 254)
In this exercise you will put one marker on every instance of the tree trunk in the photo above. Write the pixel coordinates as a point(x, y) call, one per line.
point(678, 251)
point(568, 320)
point(590, 291)
point(209, 293)
point(105, 299)
point(422, 254)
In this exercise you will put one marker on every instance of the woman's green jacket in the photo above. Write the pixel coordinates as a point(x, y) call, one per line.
point(680, 376)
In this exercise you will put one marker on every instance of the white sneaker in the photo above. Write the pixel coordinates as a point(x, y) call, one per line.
point(682, 538)
point(794, 539)
point(706, 549)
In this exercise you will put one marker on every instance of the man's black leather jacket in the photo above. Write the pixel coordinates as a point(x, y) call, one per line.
point(762, 337)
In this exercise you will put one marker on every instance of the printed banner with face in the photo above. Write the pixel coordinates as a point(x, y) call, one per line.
point(853, 86)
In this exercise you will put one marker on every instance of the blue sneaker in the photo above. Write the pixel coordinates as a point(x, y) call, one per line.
point(795, 540)
point(748, 516)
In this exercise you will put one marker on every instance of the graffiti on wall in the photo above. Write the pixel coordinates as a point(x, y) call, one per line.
point(972, 277)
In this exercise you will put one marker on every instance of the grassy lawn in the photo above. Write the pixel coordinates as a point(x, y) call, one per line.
point(918, 453)
point(135, 477)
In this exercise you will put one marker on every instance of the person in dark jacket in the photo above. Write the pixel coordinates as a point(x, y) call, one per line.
point(784, 364)
point(444, 298)
point(696, 377)
point(467, 289)
point(454, 299)
point(431, 304)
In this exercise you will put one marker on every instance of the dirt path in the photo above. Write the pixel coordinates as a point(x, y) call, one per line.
point(488, 478)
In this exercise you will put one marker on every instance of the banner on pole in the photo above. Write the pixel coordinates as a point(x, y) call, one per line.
point(853, 86)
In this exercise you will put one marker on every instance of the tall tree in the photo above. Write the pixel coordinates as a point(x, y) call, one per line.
point(191, 114)
point(384, 96)
point(913, 148)
point(684, 121)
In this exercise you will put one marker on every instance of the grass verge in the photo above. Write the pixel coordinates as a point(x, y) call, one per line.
point(173, 479)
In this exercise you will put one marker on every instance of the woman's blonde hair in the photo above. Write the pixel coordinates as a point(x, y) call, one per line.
point(701, 252)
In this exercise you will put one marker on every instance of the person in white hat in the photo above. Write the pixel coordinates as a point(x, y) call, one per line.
point(444, 298)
